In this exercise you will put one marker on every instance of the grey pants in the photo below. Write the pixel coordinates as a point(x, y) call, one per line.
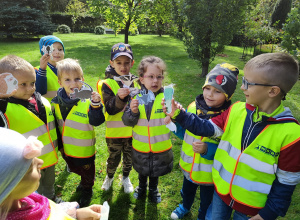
point(47, 181)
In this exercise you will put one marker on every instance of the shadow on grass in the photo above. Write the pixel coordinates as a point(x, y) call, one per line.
point(61, 181)
point(139, 209)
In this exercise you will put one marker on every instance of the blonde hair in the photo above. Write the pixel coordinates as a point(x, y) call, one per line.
point(14, 64)
point(68, 65)
point(279, 69)
point(150, 60)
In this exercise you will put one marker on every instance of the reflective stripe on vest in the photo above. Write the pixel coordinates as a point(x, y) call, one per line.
point(27, 123)
point(199, 168)
point(115, 127)
point(151, 136)
point(52, 84)
point(77, 134)
point(248, 176)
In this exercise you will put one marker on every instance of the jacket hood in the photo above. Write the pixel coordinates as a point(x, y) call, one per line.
point(110, 72)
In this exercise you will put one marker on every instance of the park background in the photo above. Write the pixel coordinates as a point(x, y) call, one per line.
point(178, 43)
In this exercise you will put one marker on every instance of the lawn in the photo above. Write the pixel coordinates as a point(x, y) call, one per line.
point(93, 52)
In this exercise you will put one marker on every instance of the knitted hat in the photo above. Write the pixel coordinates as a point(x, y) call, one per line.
point(121, 49)
point(224, 78)
point(16, 155)
point(49, 40)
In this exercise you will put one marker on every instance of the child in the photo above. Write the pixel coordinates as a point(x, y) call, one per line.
point(30, 114)
point(152, 154)
point(256, 166)
point(115, 97)
point(216, 98)
point(75, 120)
point(20, 174)
point(46, 73)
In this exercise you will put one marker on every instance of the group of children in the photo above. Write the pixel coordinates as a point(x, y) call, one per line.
point(244, 156)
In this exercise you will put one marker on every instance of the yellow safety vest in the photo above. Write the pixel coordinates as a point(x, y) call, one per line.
point(115, 127)
point(248, 175)
point(27, 123)
point(78, 135)
point(52, 84)
point(153, 135)
point(57, 213)
point(198, 167)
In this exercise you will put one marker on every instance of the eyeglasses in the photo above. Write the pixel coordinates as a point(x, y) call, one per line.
point(151, 77)
point(246, 84)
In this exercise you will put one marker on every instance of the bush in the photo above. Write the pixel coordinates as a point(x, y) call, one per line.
point(64, 29)
point(99, 30)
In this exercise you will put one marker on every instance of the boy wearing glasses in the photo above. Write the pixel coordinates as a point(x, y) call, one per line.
point(115, 98)
point(257, 164)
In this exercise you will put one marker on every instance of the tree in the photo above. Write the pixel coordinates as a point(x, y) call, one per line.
point(211, 25)
point(121, 14)
point(281, 9)
point(291, 35)
point(75, 8)
point(24, 18)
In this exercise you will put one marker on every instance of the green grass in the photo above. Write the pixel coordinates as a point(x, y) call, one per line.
point(93, 52)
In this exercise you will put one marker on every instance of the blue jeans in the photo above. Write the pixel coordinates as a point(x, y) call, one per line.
point(188, 193)
point(222, 211)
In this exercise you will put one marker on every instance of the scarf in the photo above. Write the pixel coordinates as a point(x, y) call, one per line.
point(34, 207)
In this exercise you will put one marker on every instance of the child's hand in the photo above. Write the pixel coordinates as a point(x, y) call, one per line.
point(167, 120)
point(134, 105)
point(44, 60)
point(95, 97)
point(123, 92)
point(199, 147)
point(256, 217)
point(175, 106)
point(92, 212)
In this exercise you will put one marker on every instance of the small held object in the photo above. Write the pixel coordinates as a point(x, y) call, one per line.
point(104, 211)
point(83, 94)
point(168, 95)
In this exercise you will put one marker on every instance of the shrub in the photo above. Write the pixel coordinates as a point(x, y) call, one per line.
point(64, 29)
point(99, 30)
point(134, 32)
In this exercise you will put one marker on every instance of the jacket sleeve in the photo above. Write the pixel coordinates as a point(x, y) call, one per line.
point(59, 136)
point(179, 131)
point(129, 118)
point(194, 124)
point(41, 81)
point(96, 116)
point(113, 103)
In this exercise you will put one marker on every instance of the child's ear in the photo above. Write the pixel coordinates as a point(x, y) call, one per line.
point(132, 63)
point(111, 63)
point(274, 91)
point(59, 82)
point(141, 79)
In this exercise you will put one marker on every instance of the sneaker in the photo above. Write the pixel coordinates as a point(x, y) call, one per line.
point(128, 188)
point(154, 196)
point(179, 212)
point(139, 193)
point(107, 183)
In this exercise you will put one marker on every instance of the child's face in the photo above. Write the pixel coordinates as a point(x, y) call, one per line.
point(213, 97)
point(122, 65)
point(255, 95)
point(26, 84)
point(30, 182)
point(70, 80)
point(57, 54)
point(152, 78)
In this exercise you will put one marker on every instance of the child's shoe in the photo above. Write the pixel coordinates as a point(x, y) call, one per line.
point(107, 183)
point(85, 198)
point(139, 192)
point(128, 188)
point(154, 196)
point(179, 212)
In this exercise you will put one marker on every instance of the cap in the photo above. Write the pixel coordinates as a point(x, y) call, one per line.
point(49, 40)
point(121, 49)
point(224, 78)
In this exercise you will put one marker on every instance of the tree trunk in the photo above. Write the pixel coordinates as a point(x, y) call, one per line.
point(205, 66)
point(127, 31)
